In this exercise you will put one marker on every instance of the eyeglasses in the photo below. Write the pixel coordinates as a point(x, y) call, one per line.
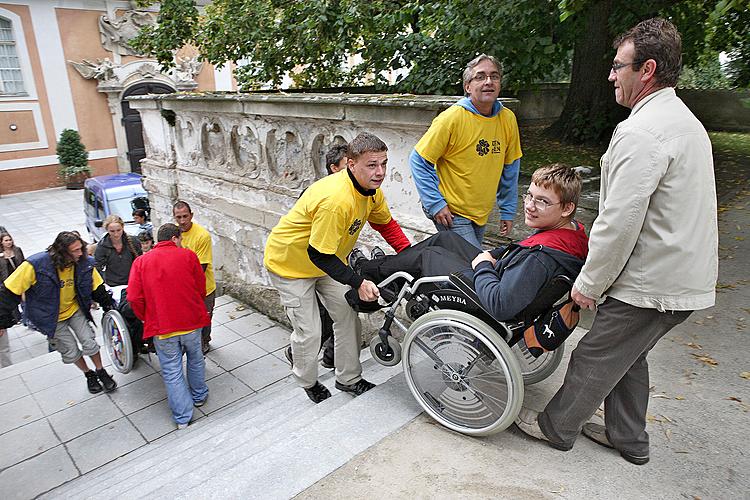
point(618, 66)
point(540, 204)
point(482, 77)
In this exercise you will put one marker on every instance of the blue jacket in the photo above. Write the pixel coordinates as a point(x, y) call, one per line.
point(43, 299)
point(506, 288)
point(426, 179)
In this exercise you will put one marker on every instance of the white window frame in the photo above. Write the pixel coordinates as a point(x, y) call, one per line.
point(23, 59)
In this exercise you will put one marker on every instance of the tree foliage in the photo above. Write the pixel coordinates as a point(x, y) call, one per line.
point(421, 46)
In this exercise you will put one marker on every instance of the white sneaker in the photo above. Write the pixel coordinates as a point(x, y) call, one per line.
point(182, 426)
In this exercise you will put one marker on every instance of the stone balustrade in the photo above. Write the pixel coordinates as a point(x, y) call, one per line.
point(242, 160)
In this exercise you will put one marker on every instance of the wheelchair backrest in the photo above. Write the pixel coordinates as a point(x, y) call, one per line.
point(555, 290)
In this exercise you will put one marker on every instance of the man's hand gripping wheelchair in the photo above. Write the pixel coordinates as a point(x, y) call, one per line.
point(465, 368)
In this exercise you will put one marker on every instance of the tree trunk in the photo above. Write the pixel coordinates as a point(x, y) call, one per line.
point(590, 111)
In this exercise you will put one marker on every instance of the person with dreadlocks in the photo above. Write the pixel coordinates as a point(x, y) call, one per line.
point(60, 285)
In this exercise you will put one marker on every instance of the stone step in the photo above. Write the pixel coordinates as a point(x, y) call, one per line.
point(211, 445)
point(299, 459)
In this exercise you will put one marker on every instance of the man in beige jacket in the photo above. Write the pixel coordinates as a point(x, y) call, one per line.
point(653, 249)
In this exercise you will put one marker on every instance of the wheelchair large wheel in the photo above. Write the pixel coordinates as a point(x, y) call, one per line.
point(537, 369)
point(462, 372)
point(117, 343)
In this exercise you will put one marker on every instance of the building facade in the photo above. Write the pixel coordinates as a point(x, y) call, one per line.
point(68, 64)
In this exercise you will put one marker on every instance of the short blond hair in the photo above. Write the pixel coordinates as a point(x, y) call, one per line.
point(562, 179)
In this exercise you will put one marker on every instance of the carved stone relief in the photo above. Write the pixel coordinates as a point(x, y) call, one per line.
point(247, 152)
point(116, 33)
point(320, 147)
point(213, 145)
point(286, 160)
point(102, 70)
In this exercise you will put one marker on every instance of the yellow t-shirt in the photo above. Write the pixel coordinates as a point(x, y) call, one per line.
point(173, 334)
point(24, 277)
point(329, 216)
point(198, 240)
point(469, 151)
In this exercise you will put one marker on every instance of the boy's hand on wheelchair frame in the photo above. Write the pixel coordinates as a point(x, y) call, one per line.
point(582, 300)
point(368, 291)
point(482, 257)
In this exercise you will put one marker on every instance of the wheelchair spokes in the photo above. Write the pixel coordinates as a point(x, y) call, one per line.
point(462, 373)
point(537, 369)
point(117, 343)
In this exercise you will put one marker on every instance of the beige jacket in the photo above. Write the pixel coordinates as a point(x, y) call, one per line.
point(655, 241)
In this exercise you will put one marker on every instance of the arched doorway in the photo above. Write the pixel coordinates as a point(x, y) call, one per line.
point(131, 120)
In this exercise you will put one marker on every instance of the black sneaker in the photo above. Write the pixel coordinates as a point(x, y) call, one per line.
point(106, 380)
point(93, 382)
point(357, 388)
point(288, 355)
point(377, 253)
point(318, 393)
point(327, 363)
point(356, 258)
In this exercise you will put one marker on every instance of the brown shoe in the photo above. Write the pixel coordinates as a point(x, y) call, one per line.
point(205, 346)
point(598, 434)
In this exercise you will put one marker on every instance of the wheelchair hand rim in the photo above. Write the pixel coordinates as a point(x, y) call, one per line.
point(479, 403)
point(117, 343)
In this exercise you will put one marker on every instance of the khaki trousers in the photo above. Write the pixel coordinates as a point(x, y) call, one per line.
point(298, 298)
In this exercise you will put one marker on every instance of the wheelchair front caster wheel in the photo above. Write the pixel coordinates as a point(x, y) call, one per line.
point(386, 354)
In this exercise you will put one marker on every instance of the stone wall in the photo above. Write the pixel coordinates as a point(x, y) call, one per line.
point(242, 161)
point(720, 110)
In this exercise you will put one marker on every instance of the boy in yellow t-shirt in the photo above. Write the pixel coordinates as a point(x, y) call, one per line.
point(196, 238)
point(60, 285)
point(306, 254)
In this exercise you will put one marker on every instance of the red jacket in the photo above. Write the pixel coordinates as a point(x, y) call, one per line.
point(166, 289)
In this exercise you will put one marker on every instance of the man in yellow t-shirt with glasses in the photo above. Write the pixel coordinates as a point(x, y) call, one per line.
point(470, 158)
point(60, 285)
point(196, 238)
point(306, 253)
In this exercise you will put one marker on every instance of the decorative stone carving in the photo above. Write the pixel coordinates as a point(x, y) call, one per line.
point(102, 70)
point(247, 152)
point(213, 145)
point(185, 71)
point(116, 33)
point(147, 71)
point(286, 160)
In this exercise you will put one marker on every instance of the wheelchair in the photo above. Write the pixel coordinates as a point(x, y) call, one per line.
point(116, 337)
point(466, 369)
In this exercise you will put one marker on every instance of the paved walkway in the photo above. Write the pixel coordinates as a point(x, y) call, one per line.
point(52, 430)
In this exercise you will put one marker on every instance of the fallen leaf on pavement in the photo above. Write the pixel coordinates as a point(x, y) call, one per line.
point(240, 308)
point(705, 359)
point(660, 396)
point(694, 345)
point(734, 398)
point(680, 398)
point(745, 375)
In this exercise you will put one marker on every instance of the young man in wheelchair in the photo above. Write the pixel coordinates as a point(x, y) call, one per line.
point(506, 279)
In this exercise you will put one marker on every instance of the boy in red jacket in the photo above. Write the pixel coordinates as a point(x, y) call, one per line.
point(165, 290)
